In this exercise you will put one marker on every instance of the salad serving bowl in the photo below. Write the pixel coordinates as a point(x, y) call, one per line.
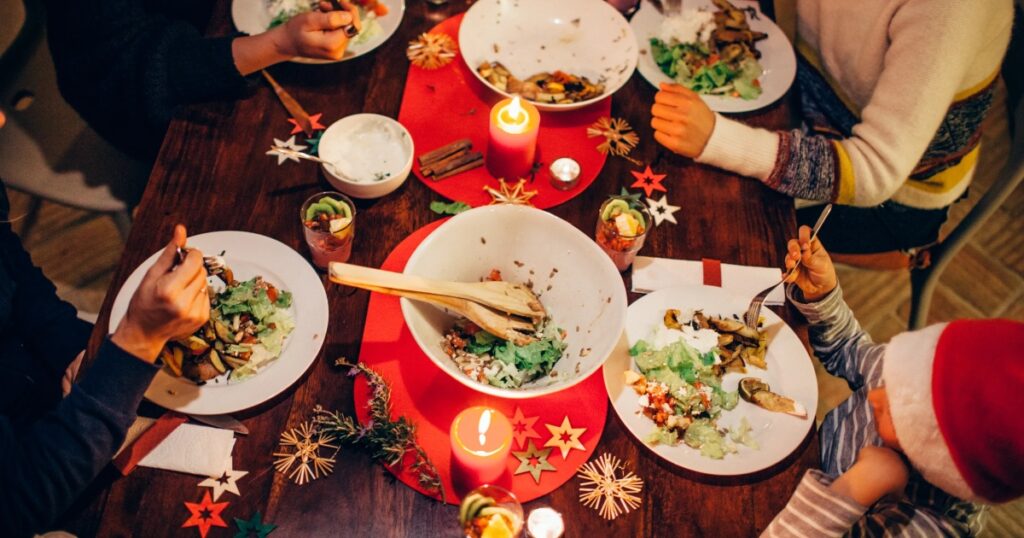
point(577, 283)
point(586, 38)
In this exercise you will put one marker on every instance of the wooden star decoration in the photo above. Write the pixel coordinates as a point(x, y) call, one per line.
point(522, 428)
point(565, 437)
point(228, 481)
point(515, 194)
point(662, 211)
point(253, 527)
point(602, 489)
point(431, 51)
point(314, 124)
point(301, 447)
point(648, 181)
point(619, 137)
point(205, 514)
point(284, 150)
point(533, 461)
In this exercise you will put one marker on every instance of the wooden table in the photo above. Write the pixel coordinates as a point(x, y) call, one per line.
point(212, 175)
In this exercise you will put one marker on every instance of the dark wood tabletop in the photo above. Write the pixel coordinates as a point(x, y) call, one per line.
point(212, 174)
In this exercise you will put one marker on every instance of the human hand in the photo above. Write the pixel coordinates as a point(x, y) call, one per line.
point(816, 276)
point(682, 121)
point(316, 34)
point(877, 473)
point(171, 302)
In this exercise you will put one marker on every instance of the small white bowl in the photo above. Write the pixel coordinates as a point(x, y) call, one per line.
point(578, 284)
point(373, 152)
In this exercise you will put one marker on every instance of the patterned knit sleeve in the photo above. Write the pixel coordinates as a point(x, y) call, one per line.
point(844, 348)
point(815, 511)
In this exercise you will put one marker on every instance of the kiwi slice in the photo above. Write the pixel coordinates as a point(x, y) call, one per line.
point(339, 207)
point(639, 217)
point(473, 506)
point(609, 209)
point(315, 209)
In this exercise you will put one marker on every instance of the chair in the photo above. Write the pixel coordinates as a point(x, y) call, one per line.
point(923, 281)
point(46, 150)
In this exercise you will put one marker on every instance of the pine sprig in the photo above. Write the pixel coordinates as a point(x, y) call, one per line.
point(386, 440)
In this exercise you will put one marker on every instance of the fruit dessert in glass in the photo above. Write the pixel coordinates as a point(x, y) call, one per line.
point(491, 512)
point(622, 227)
point(329, 225)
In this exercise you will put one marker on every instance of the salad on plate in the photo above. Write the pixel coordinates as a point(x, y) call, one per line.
point(281, 11)
point(711, 53)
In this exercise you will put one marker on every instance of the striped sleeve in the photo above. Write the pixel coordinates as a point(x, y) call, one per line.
point(815, 511)
point(844, 348)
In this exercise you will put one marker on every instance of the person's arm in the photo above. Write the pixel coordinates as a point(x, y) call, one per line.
point(815, 510)
point(931, 49)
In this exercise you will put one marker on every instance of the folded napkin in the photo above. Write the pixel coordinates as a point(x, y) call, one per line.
point(189, 448)
point(650, 274)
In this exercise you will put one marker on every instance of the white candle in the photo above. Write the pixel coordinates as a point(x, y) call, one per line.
point(545, 523)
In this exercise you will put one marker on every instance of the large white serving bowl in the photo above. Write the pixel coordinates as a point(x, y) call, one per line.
point(583, 37)
point(577, 282)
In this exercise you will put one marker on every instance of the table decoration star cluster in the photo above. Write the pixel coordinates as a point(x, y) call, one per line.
point(604, 489)
point(662, 211)
point(515, 194)
point(301, 448)
point(564, 437)
point(228, 481)
point(533, 461)
point(205, 514)
point(431, 51)
point(522, 428)
point(254, 527)
point(619, 137)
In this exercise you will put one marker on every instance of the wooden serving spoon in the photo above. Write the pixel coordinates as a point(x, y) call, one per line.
point(500, 296)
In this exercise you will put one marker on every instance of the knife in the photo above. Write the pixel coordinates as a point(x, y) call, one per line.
point(291, 105)
point(224, 422)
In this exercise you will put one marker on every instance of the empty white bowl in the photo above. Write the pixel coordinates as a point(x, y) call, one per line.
point(577, 283)
point(371, 155)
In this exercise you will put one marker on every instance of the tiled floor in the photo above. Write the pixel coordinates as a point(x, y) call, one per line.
point(79, 252)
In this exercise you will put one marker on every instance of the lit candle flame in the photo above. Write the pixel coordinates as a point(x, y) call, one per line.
point(483, 425)
point(513, 118)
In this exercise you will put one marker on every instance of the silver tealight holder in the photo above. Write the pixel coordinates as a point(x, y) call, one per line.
point(565, 173)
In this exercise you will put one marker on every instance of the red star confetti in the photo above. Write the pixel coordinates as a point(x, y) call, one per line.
point(225, 482)
point(205, 514)
point(522, 428)
point(565, 437)
point(314, 124)
point(648, 181)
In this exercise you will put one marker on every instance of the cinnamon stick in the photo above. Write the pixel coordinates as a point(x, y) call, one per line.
point(444, 151)
point(429, 168)
point(476, 163)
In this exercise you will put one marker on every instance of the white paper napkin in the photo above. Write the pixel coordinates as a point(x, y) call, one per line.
point(189, 449)
point(650, 274)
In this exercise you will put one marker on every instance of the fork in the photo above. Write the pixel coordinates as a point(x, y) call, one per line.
point(754, 310)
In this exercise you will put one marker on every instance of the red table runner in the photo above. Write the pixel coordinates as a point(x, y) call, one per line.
point(427, 396)
point(447, 104)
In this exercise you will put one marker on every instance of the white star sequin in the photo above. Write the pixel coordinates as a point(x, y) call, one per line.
point(284, 150)
point(662, 211)
point(225, 482)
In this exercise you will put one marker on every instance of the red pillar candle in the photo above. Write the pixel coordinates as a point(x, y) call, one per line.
point(481, 439)
point(512, 140)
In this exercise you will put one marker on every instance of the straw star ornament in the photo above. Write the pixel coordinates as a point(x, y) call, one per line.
point(431, 51)
point(515, 194)
point(603, 489)
point(619, 137)
point(301, 448)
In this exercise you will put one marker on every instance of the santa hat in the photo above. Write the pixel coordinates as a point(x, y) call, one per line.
point(954, 393)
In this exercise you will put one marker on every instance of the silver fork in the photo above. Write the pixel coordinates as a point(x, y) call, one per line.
point(754, 310)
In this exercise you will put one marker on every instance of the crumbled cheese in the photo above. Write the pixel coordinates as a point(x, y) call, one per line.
point(644, 401)
point(689, 26)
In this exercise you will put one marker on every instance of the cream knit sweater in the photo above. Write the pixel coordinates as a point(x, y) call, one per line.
point(893, 93)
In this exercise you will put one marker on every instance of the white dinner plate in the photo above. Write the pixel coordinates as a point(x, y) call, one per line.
point(588, 38)
point(248, 255)
point(777, 57)
point(789, 373)
point(251, 17)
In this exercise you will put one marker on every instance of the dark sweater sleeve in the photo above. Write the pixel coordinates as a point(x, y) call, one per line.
point(43, 468)
point(126, 68)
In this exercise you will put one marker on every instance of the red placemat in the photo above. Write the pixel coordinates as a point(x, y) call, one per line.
point(430, 398)
point(447, 104)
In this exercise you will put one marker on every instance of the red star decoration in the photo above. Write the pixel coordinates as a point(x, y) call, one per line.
point(648, 181)
point(522, 428)
point(314, 122)
point(205, 514)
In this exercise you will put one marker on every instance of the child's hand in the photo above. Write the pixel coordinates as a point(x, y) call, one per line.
point(316, 34)
point(682, 121)
point(816, 276)
point(878, 472)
